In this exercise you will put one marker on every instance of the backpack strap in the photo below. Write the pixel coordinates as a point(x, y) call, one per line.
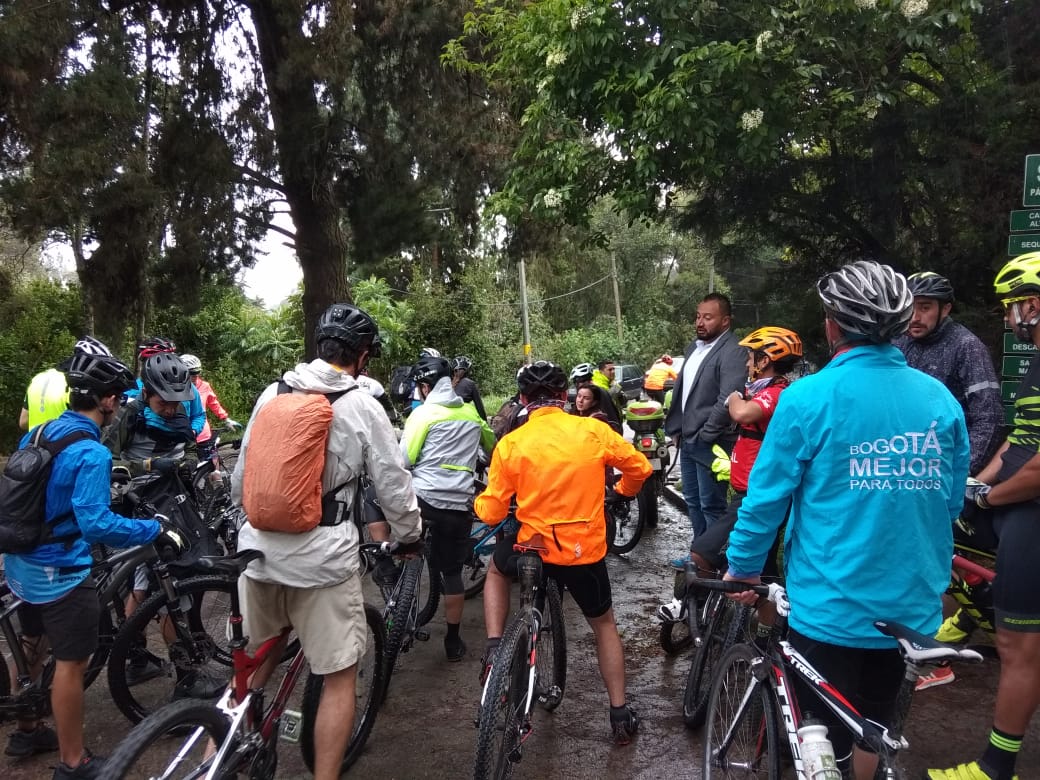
point(54, 448)
point(330, 507)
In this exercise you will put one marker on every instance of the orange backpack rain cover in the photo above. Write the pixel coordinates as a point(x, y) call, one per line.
point(281, 488)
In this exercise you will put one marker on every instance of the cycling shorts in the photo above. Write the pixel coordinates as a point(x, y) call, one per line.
point(1016, 606)
point(70, 623)
point(588, 583)
point(868, 678)
point(449, 545)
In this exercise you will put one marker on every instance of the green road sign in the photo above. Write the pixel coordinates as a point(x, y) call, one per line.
point(1014, 366)
point(1008, 390)
point(1021, 243)
point(1026, 219)
point(1012, 346)
point(1031, 186)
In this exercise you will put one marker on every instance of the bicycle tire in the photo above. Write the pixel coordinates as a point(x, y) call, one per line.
point(646, 500)
point(721, 630)
point(207, 621)
point(754, 728)
point(675, 637)
point(499, 724)
point(624, 528)
point(402, 617)
point(551, 653)
point(135, 756)
point(369, 688)
point(428, 593)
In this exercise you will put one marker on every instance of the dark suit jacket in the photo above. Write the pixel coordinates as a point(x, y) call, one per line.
point(703, 416)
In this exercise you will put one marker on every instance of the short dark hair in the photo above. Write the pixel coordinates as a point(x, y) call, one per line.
point(604, 362)
point(338, 352)
point(725, 307)
point(84, 402)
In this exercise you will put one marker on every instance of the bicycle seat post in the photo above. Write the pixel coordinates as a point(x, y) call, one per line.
point(530, 569)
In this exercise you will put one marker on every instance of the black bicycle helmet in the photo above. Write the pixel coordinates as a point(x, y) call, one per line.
point(541, 376)
point(156, 345)
point(867, 300)
point(100, 375)
point(429, 369)
point(166, 375)
point(461, 363)
point(928, 284)
point(349, 324)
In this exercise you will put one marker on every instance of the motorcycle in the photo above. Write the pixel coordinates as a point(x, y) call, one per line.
point(646, 419)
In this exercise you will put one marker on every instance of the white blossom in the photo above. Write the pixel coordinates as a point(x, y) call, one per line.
point(749, 120)
point(552, 199)
point(763, 38)
point(556, 57)
point(580, 14)
point(866, 5)
point(543, 85)
point(911, 9)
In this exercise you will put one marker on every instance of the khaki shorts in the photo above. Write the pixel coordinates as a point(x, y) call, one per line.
point(330, 622)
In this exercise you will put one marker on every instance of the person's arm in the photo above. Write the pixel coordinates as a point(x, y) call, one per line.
point(478, 402)
point(744, 412)
point(487, 436)
point(983, 411)
point(416, 429)
point(634, 467)
point(196, 411)
point(90, 504)
point(1023, 485)
point(492, 506)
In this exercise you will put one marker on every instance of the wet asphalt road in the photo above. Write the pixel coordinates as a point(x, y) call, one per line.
point(425, 730)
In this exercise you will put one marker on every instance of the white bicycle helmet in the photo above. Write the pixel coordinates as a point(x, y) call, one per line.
point(582, 371)
point(193, 363)
point(88, 345)
point(867, 300)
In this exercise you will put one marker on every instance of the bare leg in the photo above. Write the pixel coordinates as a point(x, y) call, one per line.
point(334, 723)
point(67, 702)
point(1018, 691)
point(864, 764)
point(496, 601)
point(611, 656)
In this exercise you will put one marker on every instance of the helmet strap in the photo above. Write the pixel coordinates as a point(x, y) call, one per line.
point(1024, 329)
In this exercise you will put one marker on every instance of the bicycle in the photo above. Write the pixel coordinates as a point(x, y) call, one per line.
point(530, 665)
point(211, 486)
point(752, 698)
point(239, 734)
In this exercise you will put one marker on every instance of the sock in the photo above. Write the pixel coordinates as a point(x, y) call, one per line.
point(1001, 753)
point(453, 631)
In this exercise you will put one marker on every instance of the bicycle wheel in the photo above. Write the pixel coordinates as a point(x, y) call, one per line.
point(401, 617)
point(624, 527)
point(474, 570)
point(428, 593)
point(741, 738)
point(551, 653)
point(646, 500)
point(149, 752)
point(502, 711)
point(723, 622)
point(185, 655)
point(369, 692)
point(675, 636)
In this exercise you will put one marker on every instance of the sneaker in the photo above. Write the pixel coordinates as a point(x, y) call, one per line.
point(43, 739)
point(91, 767)
point(624, 728)
point(672, 612)
point(950, 631)
point(142, 670)
point(970, 771)
point(203, 684)
point(454, 649)
point(940, 675)
point(679, 563)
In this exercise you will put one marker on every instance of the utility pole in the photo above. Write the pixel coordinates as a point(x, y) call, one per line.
point(617, 296)
point(523, 312)
point(711, 277)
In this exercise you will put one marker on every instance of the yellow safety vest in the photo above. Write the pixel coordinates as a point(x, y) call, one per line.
point(47, 396)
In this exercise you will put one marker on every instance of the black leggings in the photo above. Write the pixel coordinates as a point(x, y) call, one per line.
point(1015, 603)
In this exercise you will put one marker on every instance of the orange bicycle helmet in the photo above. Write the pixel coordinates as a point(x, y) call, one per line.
point(774, 342)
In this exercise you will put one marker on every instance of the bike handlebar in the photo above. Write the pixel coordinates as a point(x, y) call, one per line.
point(771, 592)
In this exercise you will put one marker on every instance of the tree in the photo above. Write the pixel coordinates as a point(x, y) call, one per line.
point(828, 128)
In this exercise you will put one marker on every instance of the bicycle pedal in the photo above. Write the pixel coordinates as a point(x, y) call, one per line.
point(291, 726)
point(422, 635)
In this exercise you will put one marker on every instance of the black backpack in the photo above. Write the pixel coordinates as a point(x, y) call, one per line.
point(23, 494)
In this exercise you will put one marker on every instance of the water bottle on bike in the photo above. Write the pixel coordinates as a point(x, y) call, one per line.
point(817, 752)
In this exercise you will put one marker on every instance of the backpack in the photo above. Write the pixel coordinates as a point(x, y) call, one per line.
point(23, 494)
point(281, 487)
point(401, 384)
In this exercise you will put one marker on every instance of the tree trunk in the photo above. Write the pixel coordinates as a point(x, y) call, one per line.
point(301, 137)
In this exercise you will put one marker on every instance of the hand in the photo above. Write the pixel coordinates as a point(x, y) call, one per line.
point(748, 597)
point(160, 465)
point(613, 498)
point(170, 542)
point(232, 424)
point(976, 493)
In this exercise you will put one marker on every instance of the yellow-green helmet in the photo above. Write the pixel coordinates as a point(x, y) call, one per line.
point(1020, 276)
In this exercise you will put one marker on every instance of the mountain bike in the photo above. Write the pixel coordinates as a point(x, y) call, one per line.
point(239, 734)
point(211, 486)
point(530, 665)
point(753, 698)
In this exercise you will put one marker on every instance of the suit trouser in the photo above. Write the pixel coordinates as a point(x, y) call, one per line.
point(705, 496)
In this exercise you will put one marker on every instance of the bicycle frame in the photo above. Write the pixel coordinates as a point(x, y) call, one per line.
point(962, 593)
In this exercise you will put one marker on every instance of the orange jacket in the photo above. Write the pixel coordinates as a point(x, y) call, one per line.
point(554, 465)
point(658, 374)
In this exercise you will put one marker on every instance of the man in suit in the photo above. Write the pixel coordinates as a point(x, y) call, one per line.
point(715, 367)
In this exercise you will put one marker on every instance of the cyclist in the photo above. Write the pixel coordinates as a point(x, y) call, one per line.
point(310, 580)
point(1010, 492)
point(553, 465)
point(54, 579)
point(867, 480)
point(441, 442)
point(657, 376)
point(582, 376)
point(945, 349)
point(465, 387)
point(48, 393)
point(416, 401)
point(210, 402)
point(193, 408)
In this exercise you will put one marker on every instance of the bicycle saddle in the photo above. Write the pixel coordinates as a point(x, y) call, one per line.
point(229, 564)
point(918, 648)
